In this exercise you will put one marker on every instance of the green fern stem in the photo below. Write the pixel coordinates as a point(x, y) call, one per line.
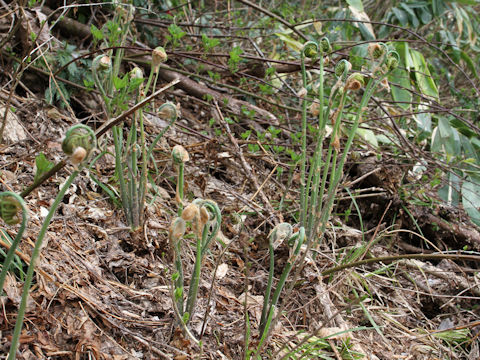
point(296, 241)
point(9, 219)
point(303, 159)
point(203, 244)
point(31, 268)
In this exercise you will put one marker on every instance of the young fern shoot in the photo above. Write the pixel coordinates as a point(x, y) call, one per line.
point(281, 233)
point(205, 219)
point(78, 143)
point(132, 154)
point(316, 197)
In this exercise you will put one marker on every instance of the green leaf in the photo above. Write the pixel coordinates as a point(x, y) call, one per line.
point(444, 127)
point(471, 198)
point(436, 7)
point(401, 16)
point(423, 119)
point(383, 139)
point(366, 33)
point(134, 84)
point(462, 127)
point(454, 336)
point(399, 76)
point(365, 28)
point(88, 84)
point(404, 52)
point(449, 141)
point(470, 64)
point(234, 58)
point(411, 15)
point(476, 143)
point(471, 155)
point(368, 135)
point(120, 83)
point(357, 4)
point(422, 74)
point(425, 15)
point(42, 165)
point(293, 44)
point(176, 31)
point(451, 192)
point(96, 32)
point(401, 93)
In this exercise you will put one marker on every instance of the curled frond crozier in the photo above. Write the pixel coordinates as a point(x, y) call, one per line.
point(78, 142)
point(310, 49)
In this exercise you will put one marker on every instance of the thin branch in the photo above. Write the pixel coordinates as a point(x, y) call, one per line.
point(274, 16)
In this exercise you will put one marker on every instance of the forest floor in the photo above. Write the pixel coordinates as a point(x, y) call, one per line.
point(98, 294)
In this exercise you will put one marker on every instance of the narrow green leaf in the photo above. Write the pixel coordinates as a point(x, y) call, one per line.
point(399, 76)
point(424, 79)
point(469, 62)
point(293, 44)
point(471, 198)
point(368, 135)
point(401, 16)
point(411, 15)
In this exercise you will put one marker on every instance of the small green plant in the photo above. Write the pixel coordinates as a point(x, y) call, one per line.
point(61, 64)
point(132, 154)
point(314, 347)
point(176, 33)
point(205, 220)
point(454, 337)
point(209, 43)
point(314, 210)
point(234, 59)
point(205, 217)
point(319, 184)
